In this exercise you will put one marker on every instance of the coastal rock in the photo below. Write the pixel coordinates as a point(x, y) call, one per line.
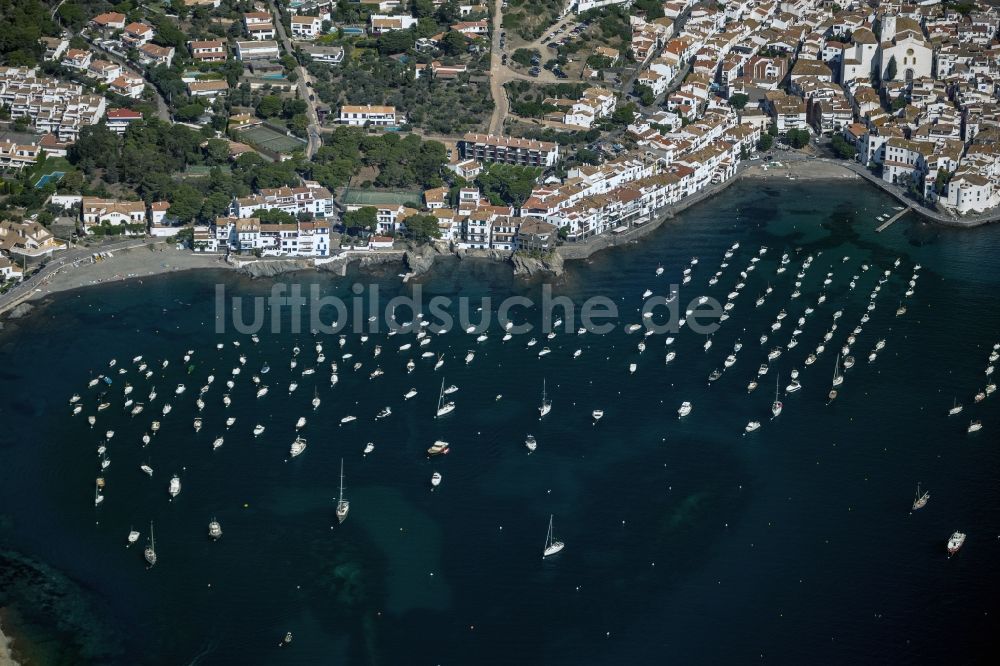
point(20, 310)
point(529, 266)
point(420, 259)
point(270, 268)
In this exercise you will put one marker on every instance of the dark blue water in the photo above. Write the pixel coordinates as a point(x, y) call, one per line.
point(685, 540)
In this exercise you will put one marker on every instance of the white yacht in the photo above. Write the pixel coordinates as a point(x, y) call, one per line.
point(684, 409)
point(298, 446)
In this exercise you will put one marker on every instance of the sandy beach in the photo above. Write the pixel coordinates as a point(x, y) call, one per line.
point(125, 265)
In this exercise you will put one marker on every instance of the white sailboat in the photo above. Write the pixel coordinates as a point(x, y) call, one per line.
point(838, 378)
point(776, 406)
point(443, 407)
point(343, 506)
point(546, 405)
point(551, 545)
point(150, 552)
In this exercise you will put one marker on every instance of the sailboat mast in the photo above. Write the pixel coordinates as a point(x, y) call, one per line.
point(341, 498)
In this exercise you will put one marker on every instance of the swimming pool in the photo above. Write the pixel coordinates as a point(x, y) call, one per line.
point(53, 177)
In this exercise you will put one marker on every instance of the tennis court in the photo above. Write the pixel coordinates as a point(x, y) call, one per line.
point(265, 137)
point(380, 197)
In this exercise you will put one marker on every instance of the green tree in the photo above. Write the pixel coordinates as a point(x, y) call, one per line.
point(422, 228)
point(454, 43)
point(890, 69)
point(269, 106)
point(275, 216)
point(365, 218)
point(524, 56)
point(507, 183)
point(797, 138)
point(765, 142)
point(842, 148)
point(739, 101)
point(185, 203)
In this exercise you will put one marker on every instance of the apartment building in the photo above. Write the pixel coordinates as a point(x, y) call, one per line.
point(211, 50)
point(310, 199)
point(509, 150)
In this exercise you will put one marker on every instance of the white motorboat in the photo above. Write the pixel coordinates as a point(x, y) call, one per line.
point(409, 394)
point(684, 409)
point(348, 419)
point(577, 353)
point(730, 360)
point(174, 489)
point(632, 367)
point(369, 447)
point(301, 423)
point(217, 443)
point(469, 356)
point(544, 351)
point(598, 414)
point(258, 430)
point(793, 387)
point(451, 389)
point(955, 542)
point(531, 443)
point(214, 529)
point(439, 447)
point(180, 389)
point(292, 387)
point(750, 427)
point(384, 413)
point(670, 356)
point(436, 479)
point(262, 391)
point(297, 448)
point(752, 386)
point(197, 424)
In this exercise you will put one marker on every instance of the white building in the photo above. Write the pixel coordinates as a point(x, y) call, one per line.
point(306, 27)
point(904, 43)
point(369, 115)
point(257, 50)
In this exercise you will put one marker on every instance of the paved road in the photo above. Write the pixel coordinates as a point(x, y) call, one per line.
point(500, 74)
point(162, 110)
point(313, 130)
point(65, 261)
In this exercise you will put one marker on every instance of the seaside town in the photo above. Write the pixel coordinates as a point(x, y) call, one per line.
point(304, 128)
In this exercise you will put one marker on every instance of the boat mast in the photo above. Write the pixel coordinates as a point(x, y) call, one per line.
point(340, 500)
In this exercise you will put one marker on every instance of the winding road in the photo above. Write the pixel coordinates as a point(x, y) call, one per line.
point(313, 130)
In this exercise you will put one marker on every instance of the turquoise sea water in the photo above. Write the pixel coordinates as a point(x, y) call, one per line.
point(685, 540)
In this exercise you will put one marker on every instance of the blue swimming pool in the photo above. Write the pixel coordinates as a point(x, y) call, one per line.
point(53, 177)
